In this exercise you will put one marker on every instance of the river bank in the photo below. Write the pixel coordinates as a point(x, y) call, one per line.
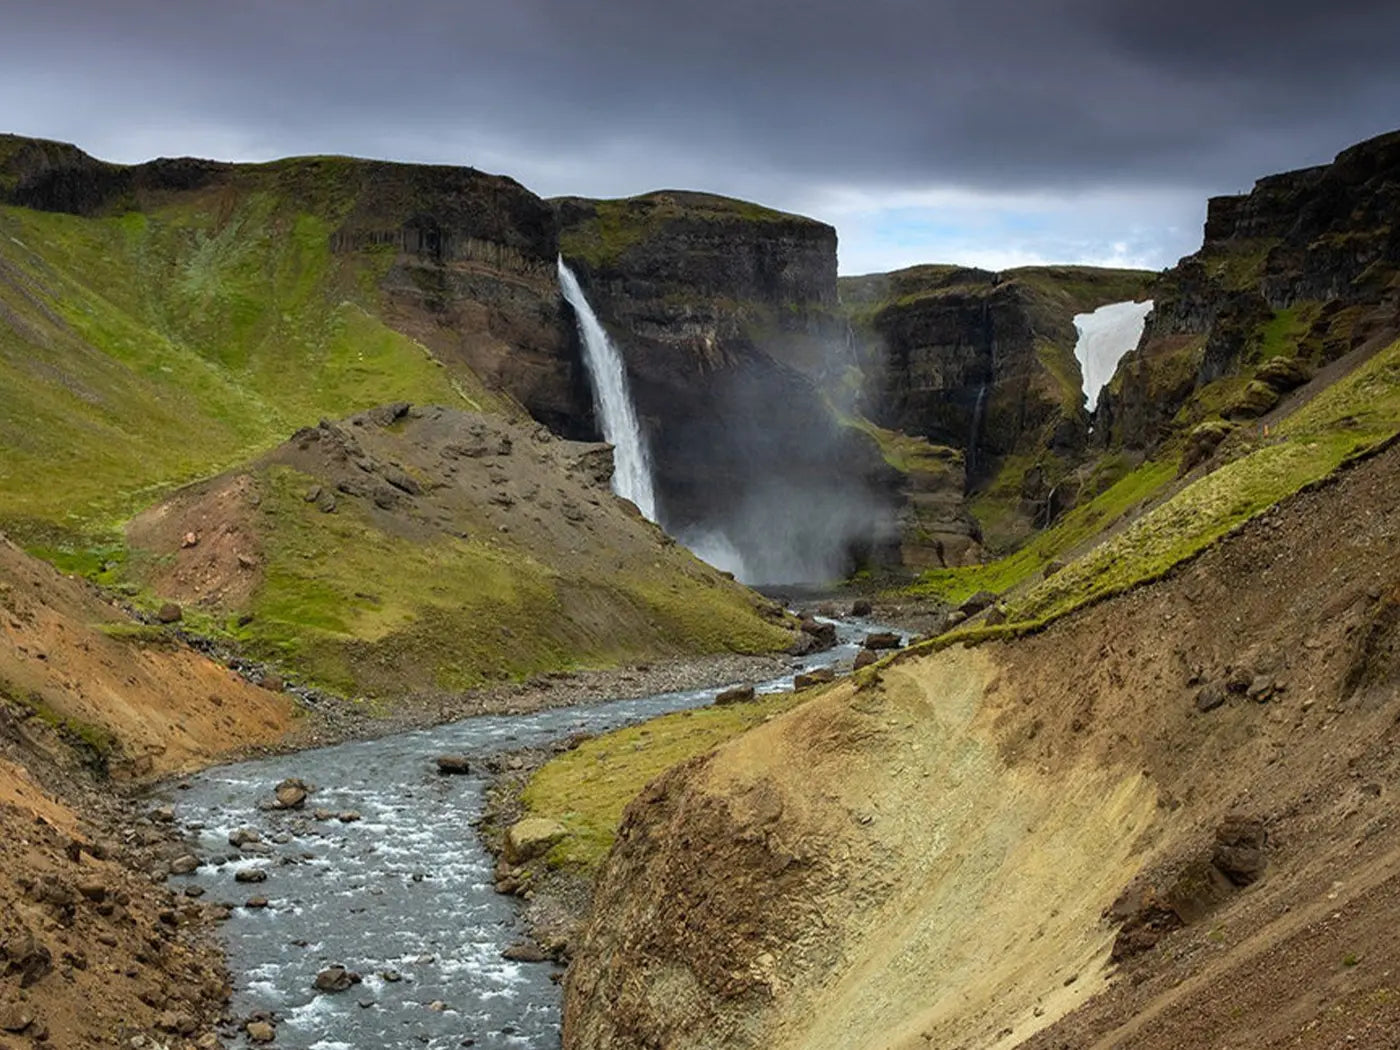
point(382, 870)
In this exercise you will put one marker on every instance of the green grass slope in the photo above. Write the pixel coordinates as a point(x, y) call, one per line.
point(142, 350)
point(1355, 415)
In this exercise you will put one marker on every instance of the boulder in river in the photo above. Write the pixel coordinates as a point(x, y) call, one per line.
point(531, 837)
point(291, 793)
point(882, 640)
point(251, 875)
point(862, 607)
point(823, 634)
point(241, 836)
point(185, 864)
point(260, 1031)
point(739, 694)
point(451, 765)
point(335, 979)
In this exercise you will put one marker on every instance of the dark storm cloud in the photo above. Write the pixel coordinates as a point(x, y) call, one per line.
point(778, 100)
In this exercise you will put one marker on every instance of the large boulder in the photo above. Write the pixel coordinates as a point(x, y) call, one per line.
point(739, 694)
point(532, 837)
point(453, 765)
point(335, 979)
point(291, 793)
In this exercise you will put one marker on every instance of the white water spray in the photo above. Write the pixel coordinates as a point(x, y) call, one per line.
point(608, 378)
point(1104, 337)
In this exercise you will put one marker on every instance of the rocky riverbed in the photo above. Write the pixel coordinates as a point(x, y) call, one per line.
point(365, 856)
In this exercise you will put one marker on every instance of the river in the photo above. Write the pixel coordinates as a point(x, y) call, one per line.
point(403, 895)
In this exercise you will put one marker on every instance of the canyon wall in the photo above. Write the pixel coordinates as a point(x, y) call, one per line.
point(1301, 268)
point(726, 314)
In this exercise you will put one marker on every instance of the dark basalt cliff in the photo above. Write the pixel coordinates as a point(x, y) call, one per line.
point(726, 314)
point(1303, 267)
point(983, 363)
point(465, 260)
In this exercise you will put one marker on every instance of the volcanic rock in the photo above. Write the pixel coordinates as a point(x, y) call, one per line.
point(453, 764)
point(737, 695)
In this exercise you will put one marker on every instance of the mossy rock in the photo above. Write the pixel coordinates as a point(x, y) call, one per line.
point(1256, 399)
point(1283, 373)
point(1202, 442)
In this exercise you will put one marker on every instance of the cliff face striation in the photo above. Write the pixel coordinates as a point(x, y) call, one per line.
point(1302, 268)
point(983, 363)
point(727, 318)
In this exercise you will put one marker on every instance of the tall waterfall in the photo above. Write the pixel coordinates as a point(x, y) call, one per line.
point(608, 378)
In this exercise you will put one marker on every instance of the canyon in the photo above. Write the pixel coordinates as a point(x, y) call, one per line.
point(306, 450)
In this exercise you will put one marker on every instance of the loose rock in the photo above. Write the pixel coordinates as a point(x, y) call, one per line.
point(739, 694)
point(453, 765)
point(260, 1031)
point(882, 640)
point(820, 676)
point(531, 837)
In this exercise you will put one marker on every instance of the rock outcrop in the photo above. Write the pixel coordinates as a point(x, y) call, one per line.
point(979, 361)
point(983, 363)
point(463, 260)
point(1302, 267)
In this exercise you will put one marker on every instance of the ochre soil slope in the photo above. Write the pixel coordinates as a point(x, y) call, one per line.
point(942, 851)
point(134, 696)
point(93, 951)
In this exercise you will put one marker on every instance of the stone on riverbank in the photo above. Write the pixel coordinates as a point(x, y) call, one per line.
point(531, 837)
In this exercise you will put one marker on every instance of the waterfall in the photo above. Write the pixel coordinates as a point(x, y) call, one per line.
point(612, 400)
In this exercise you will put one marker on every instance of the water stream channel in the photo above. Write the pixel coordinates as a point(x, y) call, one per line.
point(404, 891)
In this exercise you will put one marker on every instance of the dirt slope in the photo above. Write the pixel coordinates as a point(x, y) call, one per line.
point(420, 549)
point(942, 853)
point(134, 698)
point(93, 951)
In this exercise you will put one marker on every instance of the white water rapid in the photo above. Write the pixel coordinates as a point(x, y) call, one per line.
point(608, 377)
point(1104, 337)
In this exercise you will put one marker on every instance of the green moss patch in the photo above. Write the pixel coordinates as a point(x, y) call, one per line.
point(1354, 415)
point(139, 352)
point(587, 789)
point(1077, 526)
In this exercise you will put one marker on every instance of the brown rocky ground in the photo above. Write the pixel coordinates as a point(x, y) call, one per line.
point(133, 696)
point(941, 852)
point(93, 949)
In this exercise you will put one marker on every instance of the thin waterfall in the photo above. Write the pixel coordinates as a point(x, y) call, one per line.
point(613, 401)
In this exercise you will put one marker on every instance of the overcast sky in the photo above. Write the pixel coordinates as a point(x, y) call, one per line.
point(991, 132)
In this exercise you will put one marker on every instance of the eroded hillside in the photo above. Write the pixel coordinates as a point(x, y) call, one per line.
point(942, 851)
point(423, 549)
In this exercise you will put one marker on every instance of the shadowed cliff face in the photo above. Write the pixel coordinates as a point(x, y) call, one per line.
point(983, 363)
point(1302, 267)
point(726, 315)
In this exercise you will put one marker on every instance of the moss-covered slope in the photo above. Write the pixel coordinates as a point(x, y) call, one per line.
point(413, 550)
point(163, 321)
